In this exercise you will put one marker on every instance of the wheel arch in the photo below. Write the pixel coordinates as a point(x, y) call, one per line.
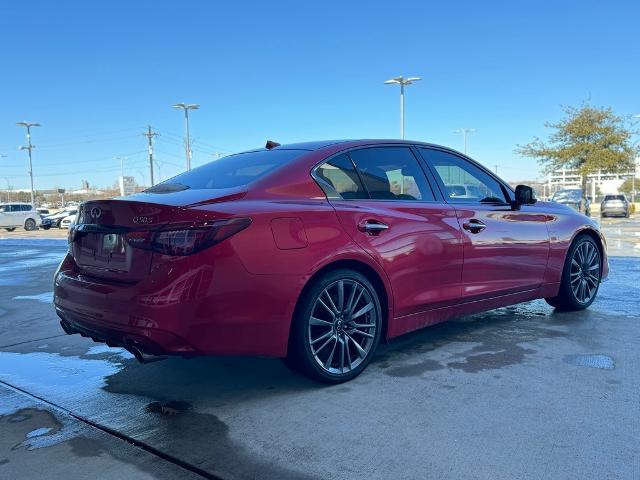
point(374, 276)
point(595, 236)
point(35, 222)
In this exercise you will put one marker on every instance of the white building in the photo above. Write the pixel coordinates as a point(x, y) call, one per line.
point(127, 185)
point(604, 182)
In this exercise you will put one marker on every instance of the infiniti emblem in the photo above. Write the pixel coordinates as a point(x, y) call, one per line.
point(96, 212)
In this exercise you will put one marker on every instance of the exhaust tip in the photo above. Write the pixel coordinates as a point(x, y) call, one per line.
point(141, 356)
point(68, 329)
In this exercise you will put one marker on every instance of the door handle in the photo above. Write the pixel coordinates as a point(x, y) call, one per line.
point(372, 227)
point(474, 226)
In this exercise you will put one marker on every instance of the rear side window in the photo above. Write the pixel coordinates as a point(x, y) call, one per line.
point(26, 208)
point(339, 174)
point(392, 173)
point(228, 172)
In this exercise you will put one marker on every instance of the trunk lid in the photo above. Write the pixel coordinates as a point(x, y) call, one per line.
point(98, 241)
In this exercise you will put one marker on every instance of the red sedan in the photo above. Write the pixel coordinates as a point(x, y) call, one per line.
point(314, 252)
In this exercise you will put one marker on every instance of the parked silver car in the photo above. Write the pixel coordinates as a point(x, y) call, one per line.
point(614, 205)
point(14, 215)
point(574, 198)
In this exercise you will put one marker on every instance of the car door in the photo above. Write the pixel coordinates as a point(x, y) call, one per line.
point(4, 216)
point(385, 203)
point(505, 250)
point(12, 212)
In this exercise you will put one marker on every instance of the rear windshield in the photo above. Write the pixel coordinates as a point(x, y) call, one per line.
point(567, 196)
point(614, 197)
point(228, 172)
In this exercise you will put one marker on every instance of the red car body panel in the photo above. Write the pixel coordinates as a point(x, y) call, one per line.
point(239, 296)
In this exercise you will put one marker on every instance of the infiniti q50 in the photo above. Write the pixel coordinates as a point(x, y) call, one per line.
point(316, 252)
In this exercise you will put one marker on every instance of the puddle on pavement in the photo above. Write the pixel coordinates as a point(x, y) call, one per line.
point(41, 428)
point(486, 341)
point(603, 362)
point(46, 297)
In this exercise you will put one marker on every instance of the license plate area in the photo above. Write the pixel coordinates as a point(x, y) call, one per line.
point(105, 250)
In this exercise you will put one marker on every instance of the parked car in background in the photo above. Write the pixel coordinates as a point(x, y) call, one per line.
point(574, 198)
point(55, 219)
point(14, 215)
point(66, 222)
point(614, 205)
point(43, 212)
point(316, 252)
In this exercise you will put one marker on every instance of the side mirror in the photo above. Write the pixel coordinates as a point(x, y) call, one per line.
point(525, 195)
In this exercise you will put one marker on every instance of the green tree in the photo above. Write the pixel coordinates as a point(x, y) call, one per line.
point(586, 139)
point(627, 186)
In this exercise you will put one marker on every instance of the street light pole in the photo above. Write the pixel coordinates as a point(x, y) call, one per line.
point(186, 107)
point(465, 132)
point(29, 147)
point(402, 82)
point(633, 177)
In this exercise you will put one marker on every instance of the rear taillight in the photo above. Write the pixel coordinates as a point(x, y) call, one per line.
point(186, 239)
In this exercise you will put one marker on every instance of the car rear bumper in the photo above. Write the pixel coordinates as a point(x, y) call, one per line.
point(614, 211)
point(182, 308)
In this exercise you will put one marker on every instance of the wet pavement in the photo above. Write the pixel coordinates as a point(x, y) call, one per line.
point(519, 392)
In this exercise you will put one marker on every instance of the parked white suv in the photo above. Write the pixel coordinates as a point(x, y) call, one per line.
point(13, 215)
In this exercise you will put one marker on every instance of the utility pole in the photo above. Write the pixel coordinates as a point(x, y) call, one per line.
point(150, 134)
point(29, 147)
point(402, 82)
point(495, 168)
point(465, 132)
point(187, 141)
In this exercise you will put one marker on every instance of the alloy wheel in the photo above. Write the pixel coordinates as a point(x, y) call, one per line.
point(342, 327)
point(30, 225)
point(585, 272)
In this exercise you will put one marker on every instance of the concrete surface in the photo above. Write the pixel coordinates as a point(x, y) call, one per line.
point(520, 392)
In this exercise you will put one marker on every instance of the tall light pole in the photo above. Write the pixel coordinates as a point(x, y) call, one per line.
point(29, 147)
point(9, 188)
point(465, 132)
point(187, 141)
point(633, 177)
point(6, 179)
point(121, 160)
point(402, 82)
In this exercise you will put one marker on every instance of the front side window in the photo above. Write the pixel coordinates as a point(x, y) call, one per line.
point(464, 182)
point(391, 173)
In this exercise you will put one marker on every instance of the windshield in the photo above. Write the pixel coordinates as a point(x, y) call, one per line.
point(228, 172)
point(567, 196)
point(614, 197)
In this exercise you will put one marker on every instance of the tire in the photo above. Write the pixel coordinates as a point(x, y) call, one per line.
point(30, 224)
point(10, 229)
point(583, 267)
point(46, 227)
point(327, 342)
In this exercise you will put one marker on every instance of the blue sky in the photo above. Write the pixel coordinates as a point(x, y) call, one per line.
point(95, 74)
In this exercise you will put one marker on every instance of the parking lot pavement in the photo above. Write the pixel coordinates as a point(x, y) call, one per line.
point(41, 441)
point(623, 235)
point(519, 392)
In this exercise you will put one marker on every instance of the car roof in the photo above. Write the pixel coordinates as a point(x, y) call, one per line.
point(318, 144)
